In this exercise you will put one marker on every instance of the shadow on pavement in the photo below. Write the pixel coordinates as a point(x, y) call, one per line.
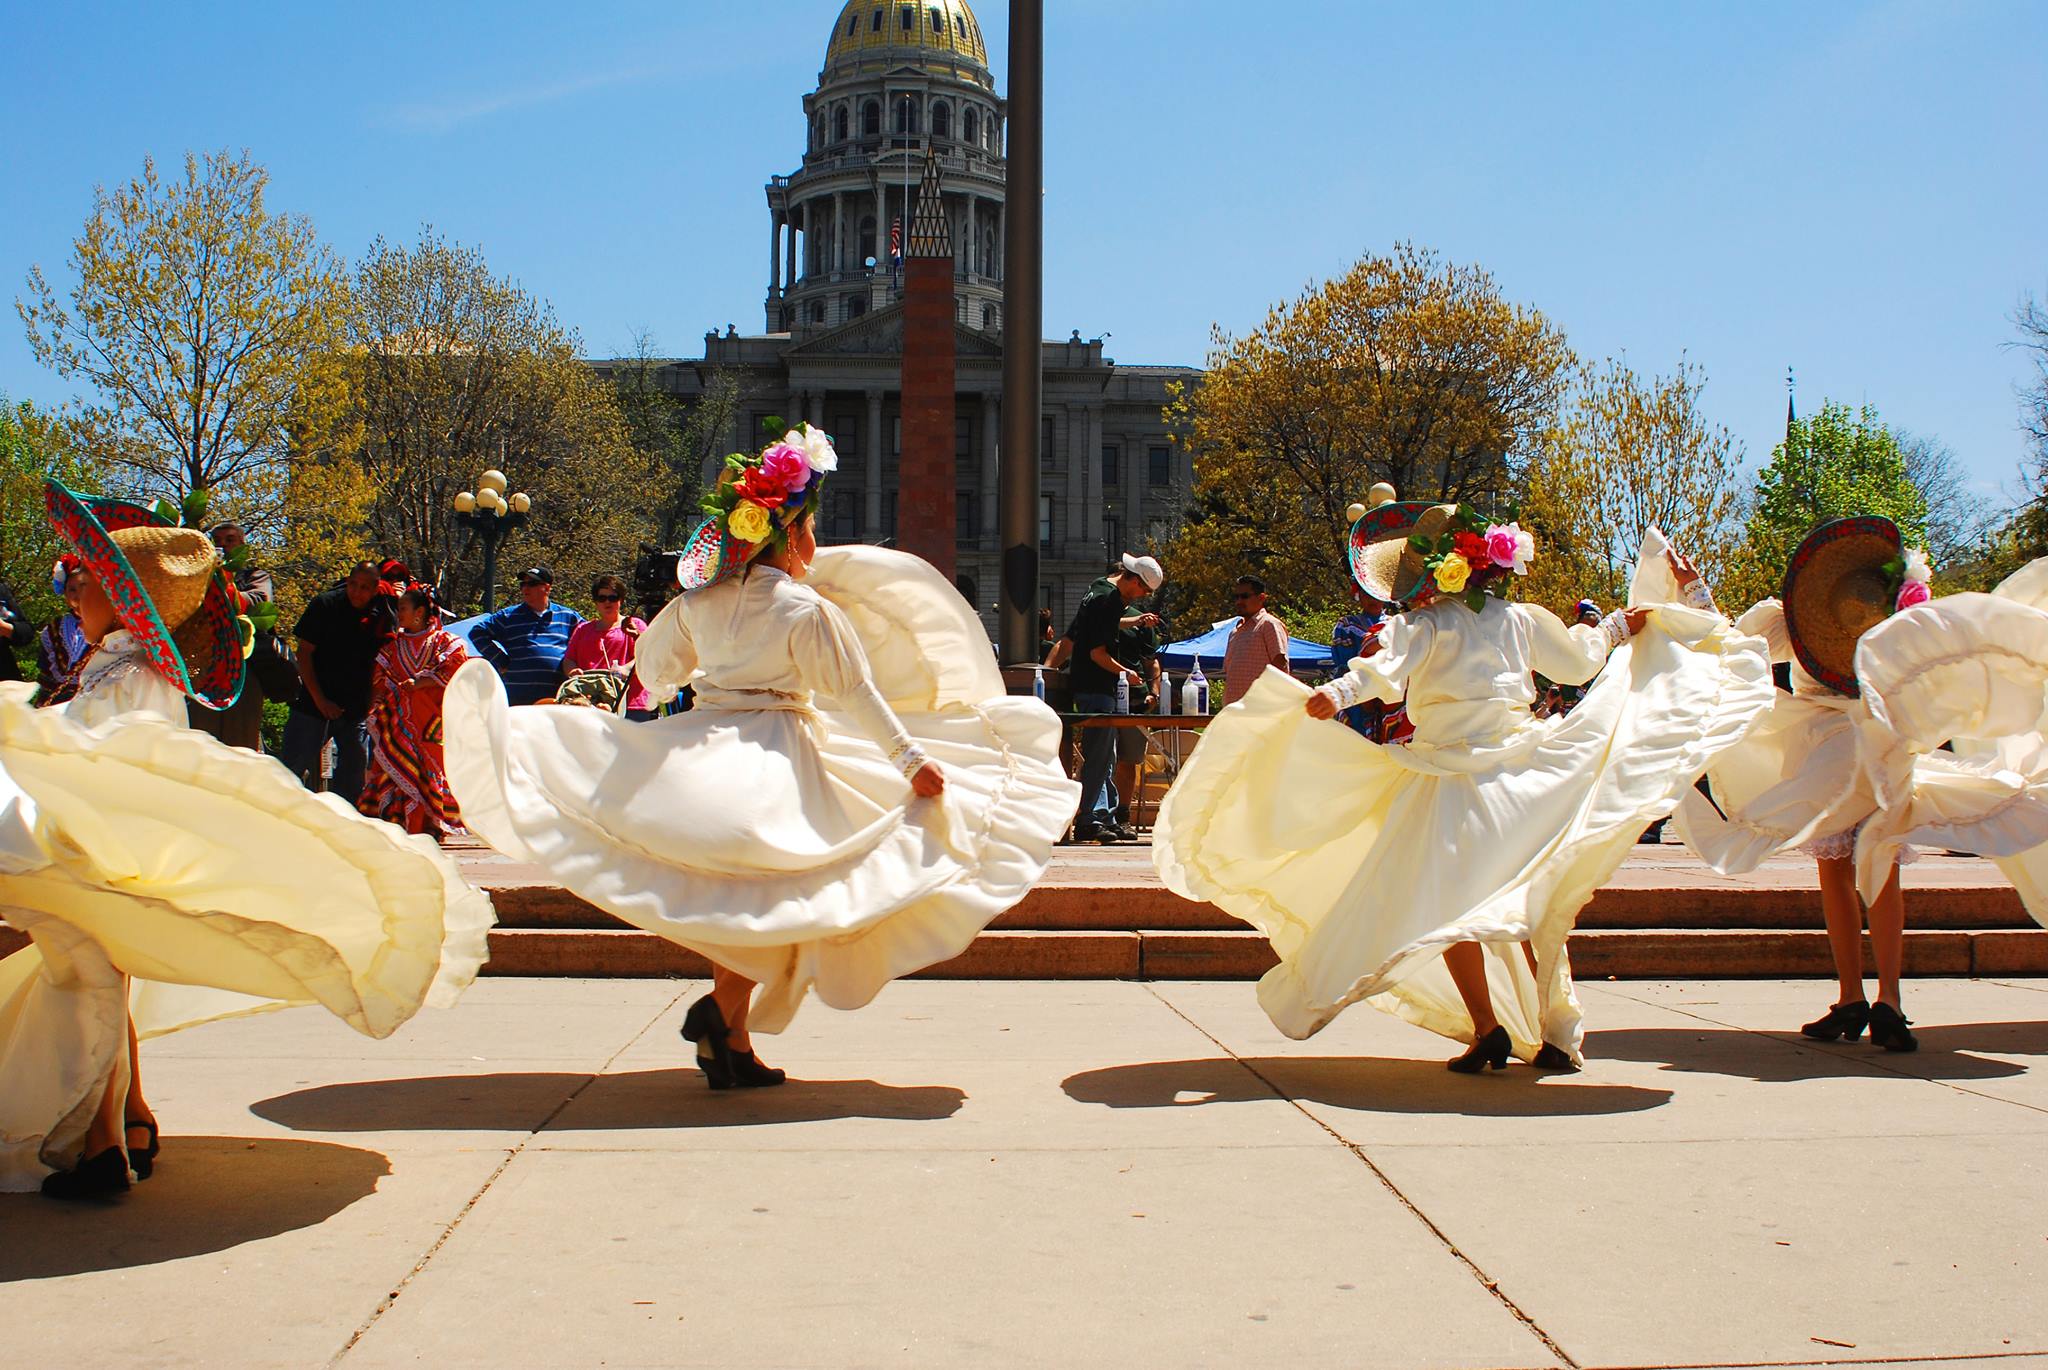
point(1944, 1052)
point(1366, 1083)
point(523, 1101)
point(208, 1194)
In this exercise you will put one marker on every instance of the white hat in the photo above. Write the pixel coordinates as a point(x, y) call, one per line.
point(1146, 569)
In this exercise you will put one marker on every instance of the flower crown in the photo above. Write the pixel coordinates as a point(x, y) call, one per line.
point(1914, 573)
point(758, 497)
point(1474, 558)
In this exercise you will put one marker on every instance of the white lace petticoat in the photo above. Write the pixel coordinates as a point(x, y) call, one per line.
point(1842, 845)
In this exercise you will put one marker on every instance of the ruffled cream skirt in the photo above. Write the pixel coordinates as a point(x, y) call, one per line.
point(1363, 863)
point(186, 881)
point(781, 843)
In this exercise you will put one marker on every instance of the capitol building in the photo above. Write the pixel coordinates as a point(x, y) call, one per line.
point(901, 81)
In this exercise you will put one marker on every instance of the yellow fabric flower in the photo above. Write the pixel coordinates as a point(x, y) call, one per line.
point(749, 522)
point(1452, 573)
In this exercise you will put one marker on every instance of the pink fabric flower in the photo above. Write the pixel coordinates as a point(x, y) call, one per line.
point(1500, 546)
point(1914, 592)
point(787, 467)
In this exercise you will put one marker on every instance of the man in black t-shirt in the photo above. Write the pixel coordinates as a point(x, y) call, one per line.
point(338, 636)
point(1092, 679)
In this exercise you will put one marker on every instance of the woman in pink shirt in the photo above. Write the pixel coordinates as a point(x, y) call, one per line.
point(606, 643)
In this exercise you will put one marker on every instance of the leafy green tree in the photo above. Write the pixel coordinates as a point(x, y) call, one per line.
point(33, 447)
point(1832, 464)
point(2026, 535)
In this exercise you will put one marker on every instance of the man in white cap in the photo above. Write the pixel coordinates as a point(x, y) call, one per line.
point(1092, 642)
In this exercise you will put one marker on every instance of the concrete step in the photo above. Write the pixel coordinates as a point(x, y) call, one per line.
point(1180, 954)
point(1130, 908)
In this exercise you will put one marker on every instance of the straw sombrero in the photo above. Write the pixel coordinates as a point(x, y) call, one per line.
point(167, 585)
point(1382, 561)
point(1836, 589)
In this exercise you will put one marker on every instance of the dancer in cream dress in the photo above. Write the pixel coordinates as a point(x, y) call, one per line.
point(165, 880)
point(1849, 766)
point(853, 797)
point(1411, 876)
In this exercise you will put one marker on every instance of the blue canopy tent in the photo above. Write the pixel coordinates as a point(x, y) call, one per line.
point(1208, 648)
point(461, 629)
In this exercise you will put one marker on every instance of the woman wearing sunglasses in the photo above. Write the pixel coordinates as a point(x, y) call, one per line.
point(607, 642)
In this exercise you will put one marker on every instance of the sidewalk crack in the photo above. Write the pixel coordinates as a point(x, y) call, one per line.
point(1472, 1267)
point(384, 1304)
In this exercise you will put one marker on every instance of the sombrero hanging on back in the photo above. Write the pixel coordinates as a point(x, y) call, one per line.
point(1848, 576)
point(1382, 561)
point(168, 586)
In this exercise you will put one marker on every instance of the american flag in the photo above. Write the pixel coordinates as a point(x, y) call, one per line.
point(895, 239)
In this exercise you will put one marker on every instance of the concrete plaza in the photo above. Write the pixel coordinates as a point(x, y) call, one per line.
point(1066, 1174)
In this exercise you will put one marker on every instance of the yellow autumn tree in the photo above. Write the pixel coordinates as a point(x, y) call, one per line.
point(1406, 368)
point(1628, 454)
point(204, 324)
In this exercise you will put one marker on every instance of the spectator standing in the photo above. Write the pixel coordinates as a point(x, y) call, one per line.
point(1259, 640)
point(62, 647)
point(1374, 720)
point(1586, 612)
point(526, 642)
point(338, 636)
point(16, 631)
point(1092, 679)
point(408, 775)
point(241, 723)
point(607, 643)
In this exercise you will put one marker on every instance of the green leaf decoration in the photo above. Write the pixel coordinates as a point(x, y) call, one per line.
point(193, 508)
point(239, 559)
point(165, 510)
point(1421, 543)
point(772, 427)
point(263, 614)
point(1475, 598)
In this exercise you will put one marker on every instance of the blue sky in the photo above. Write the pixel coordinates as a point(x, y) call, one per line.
point(1854, 190)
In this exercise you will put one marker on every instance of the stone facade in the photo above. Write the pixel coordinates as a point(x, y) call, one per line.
point(901, 81)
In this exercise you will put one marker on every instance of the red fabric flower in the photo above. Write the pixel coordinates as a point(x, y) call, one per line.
point(1472, 547)
point(762, 488)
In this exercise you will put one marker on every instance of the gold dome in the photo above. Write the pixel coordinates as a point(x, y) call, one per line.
point(940, 27)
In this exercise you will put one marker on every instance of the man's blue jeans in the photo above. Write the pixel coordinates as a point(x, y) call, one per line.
point(306, 732)
point(1098, 755)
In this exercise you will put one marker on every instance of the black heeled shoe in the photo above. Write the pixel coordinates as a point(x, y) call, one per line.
point(1891, 1029)
point(1554, 1058)
point(1491, 1050)
point(1843, 1020)
point(705, 1026)
point(142, 1162)
point(749, 1073)
point(97, 1177)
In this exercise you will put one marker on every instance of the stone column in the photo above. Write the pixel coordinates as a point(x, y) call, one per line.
point(814, 411)
point(1136, 471)
point(871, 512)
point(774, 253)
point(789, 249)
point(839, 230)
point(1093, 428)
point(991, 439)
point(1076, 521)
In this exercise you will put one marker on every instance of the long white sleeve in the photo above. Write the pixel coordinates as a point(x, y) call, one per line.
point(1568, 656)
point(835, 666)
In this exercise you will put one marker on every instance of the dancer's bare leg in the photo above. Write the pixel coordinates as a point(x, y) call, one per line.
point(135, 1109)
point(1466, 962)
point(1888, 939)
point(1842, 910)
point(734, 994)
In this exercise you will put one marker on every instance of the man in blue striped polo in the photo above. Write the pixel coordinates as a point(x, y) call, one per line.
point(525, 642)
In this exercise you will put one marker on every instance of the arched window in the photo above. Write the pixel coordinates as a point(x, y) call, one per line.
point(970, 127)
point(965, 585)
point(867, 239)
point(852, 24)
point(988, 318)
point(839, 124)
point(942, 120)
point(817, 311)
point(870, 118)
point(818, 132)
point(855, 306)
point(876, 26)
point(906, 113)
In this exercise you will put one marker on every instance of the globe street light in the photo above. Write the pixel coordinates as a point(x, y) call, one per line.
point(490, 515)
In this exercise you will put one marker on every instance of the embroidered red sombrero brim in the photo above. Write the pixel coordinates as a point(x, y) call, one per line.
point(1377, 525)
point(212, 634)
point(709, 556)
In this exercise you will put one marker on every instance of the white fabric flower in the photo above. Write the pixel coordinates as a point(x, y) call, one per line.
point(816, 447)
point(1525, 549)
point(1917, 567)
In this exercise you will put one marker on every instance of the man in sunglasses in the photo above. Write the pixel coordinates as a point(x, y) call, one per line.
point(1259, 640)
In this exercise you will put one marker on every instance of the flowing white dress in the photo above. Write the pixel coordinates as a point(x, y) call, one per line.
point(1362, 863)
point(1866, 776)
point(768, 828)
point(158, 872)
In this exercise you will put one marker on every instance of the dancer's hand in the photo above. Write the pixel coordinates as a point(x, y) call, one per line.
point(1321, 705)
point(929, 782)
point(1682, 567)
point(1635, 618)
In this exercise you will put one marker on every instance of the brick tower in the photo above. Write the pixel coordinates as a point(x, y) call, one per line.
point(924, 520)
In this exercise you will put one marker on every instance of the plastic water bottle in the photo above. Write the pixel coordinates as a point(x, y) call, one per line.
point(1038, 683)
point(1194, 695)
point(1123, 693)
point(1162, 703)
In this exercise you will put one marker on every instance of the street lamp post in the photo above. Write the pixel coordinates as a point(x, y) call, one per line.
point(490, 515)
